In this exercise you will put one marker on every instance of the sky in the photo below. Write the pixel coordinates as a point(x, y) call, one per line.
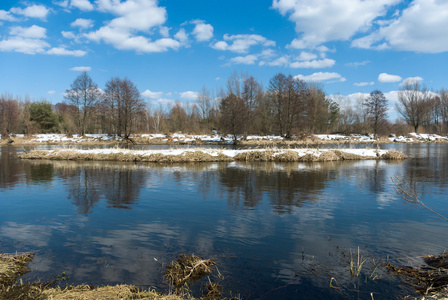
point(171, 49)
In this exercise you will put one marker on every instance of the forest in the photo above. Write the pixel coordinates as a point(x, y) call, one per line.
point(288, 106)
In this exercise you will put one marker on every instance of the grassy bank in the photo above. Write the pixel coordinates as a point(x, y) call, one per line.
point(185, 270)
point(208, 155)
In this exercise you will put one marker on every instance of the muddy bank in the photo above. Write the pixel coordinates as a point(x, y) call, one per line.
point(209, 155)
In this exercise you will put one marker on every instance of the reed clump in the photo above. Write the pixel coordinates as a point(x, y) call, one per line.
point(430, 280)
point(188, 268)
point(394, 155)
point(12, 266)
point(267, 155)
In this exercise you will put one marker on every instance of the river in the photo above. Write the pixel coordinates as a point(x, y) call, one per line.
point(276, 230)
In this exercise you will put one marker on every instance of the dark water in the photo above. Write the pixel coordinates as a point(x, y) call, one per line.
point(277, 231)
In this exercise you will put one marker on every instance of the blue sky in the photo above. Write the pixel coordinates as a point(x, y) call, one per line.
point(171, 49)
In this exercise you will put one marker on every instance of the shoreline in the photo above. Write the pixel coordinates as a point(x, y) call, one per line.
point(202, 140)
point(210, 155)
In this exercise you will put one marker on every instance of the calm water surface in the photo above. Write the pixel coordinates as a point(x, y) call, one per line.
point(277, 231)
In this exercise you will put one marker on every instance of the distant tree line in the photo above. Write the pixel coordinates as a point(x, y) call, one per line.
point(288, 107)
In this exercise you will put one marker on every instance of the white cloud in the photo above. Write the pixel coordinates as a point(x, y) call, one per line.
point(34, 32)
point(364, 83)
point(84, 5)
point(314, 64)
point(23, 45)
point(320, 21)
point(321, 76)
point(421, 27)
point(133, 16)
point(357, 63)
point(7, 16)
point(268, 53)
point(306, 56)
point(82, 23)
point(181, 36)
point(384, 77)
point(279, 62)
point(63, 3)
point(163, 101)
point(68, 35)
point(51, 92)
point(164, 31)
point(240, 43)
point(220, 45)
point(411, 80)
point(202, 31)
point(32, 11)
point(123, 40)
point(152, 95)
point(246, 60)
point(64, 52)
point(81, 69)
point(189, 95)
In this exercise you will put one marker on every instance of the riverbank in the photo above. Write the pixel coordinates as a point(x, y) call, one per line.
point(13, 266)
point(184, 139)
point(211, 155)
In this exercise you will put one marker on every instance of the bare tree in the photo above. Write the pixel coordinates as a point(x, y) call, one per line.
point(125, 104)
point(320, 113)
point(287, 96)
point(232, 116)
point(443, 94)
point(83, 94)
point(376, 105)
point(204, 103)
point(414, 104)
point(251, 94)
point(131, 106)
point(178, 118)
point(9, 115)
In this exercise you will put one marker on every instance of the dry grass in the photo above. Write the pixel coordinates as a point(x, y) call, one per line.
point(267, 155)
point(12, 266)
point(394, 155)
point(188, 268)
point(86, 292)
point(188, 156)
point(430, 280)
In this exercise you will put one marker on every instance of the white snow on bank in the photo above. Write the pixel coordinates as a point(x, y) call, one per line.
point(341, 137)
point(427, 137)
point(231, 153)
point(215, 138)
point(418, 137)
point(330, 137)
point(76, 138)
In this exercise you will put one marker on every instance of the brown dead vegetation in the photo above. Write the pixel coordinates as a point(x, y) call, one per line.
point(430, 280)
point(188, 268)
point(12, 266)
point(394, 155)
point(268, 155)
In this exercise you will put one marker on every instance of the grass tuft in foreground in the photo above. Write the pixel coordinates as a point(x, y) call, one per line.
point(186, 270)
